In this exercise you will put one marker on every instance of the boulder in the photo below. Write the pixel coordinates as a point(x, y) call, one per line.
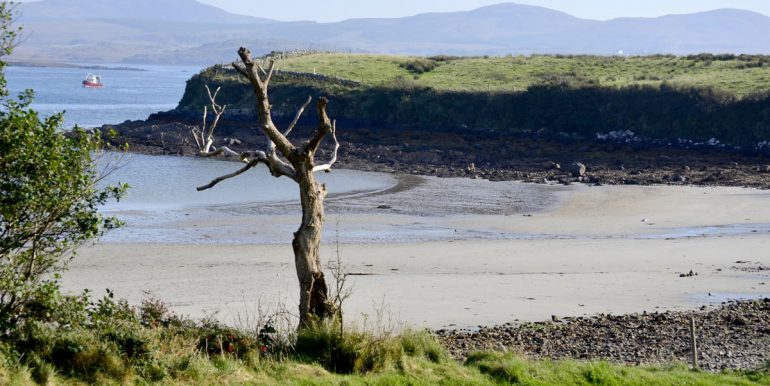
point(548, 165)
point(763, 168)
point(576, 169)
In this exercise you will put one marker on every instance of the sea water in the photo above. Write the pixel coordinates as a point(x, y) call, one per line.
point(163, 205)
point(162, 183)
point(162, 188)
point(126, 95)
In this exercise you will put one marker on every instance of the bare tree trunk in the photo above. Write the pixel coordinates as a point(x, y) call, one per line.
point(313, 302)
point(283, 158)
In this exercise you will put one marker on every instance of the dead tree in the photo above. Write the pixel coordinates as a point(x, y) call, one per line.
point(283, 158)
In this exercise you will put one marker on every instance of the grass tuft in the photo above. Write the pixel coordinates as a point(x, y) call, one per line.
point(345, 353)
point(421, 343)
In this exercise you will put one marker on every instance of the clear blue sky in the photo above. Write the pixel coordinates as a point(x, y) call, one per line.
point(335, 10)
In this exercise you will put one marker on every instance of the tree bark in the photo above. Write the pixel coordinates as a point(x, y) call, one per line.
point(313, 302)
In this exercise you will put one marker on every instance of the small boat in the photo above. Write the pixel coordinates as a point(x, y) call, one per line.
point(93, 81)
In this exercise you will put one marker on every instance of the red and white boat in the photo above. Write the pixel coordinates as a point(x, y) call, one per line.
point(93, 81)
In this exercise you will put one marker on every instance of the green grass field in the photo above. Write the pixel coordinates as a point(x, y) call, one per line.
point(739, 76)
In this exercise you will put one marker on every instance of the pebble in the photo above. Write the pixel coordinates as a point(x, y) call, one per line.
point(642, 338)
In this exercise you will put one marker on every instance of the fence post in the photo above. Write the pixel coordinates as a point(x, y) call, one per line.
point(693, 343)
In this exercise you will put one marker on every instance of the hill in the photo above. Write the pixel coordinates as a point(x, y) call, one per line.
point(739, 76)
point(721, 100)
point(187, 32)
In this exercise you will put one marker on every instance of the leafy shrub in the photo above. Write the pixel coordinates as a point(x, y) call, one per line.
point(215, 338)
point(81, 353)
point(419, 66)
point(153, 312)
point(444, 58)
point(131, 341)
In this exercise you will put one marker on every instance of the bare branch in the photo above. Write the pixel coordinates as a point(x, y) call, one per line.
point(327, 166)
point(250, 70)
point(263, 104)
point(231, 175)
point(238, 66)
point(218, 111)
point(195, 132)
point(270, 71)
point(205, 119)
point(296, 117)
point(204, 137)
point(222, 150)
point(324, 127)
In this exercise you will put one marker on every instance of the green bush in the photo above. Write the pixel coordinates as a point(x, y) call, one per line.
point(83, 354)
point(419, 66)
point(215, 338)
point(48, 199)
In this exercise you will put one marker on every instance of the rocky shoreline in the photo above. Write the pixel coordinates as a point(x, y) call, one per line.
point(481, 155)
point(734, 336)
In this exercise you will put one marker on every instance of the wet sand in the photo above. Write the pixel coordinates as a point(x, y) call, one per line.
point(458, 253)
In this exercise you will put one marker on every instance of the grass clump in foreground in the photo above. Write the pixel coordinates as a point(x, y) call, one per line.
point(511, 369)
point(109, 342)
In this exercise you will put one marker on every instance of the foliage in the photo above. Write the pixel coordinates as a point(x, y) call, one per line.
point(48, 201)
point(10, 36)
point(419, 65)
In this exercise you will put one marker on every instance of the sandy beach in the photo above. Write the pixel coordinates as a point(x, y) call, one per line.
point(456, 252)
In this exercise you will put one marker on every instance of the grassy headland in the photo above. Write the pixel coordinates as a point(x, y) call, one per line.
point(665, 98)
point(737, 75)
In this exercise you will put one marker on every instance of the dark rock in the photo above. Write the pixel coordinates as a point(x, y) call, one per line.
point(576, 169)
point(550, 165)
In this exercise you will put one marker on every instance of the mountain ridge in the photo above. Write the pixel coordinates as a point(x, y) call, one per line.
point(145, 33)
point(171, 10)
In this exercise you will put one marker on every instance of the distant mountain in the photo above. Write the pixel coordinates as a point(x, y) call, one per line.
point(188, 32)
point(166, 10)
point(723, 30)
